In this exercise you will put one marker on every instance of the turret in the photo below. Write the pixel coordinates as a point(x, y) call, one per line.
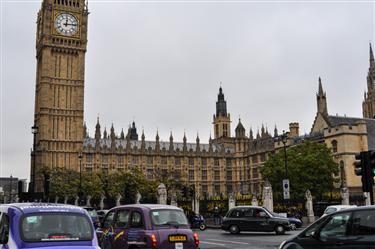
point(240, 130)
point(321, 100)
point(222, 118)
point(171, 142)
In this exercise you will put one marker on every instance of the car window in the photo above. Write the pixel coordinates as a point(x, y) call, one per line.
point(4, 228)
point(237, 213)
point(168, 216)
point(259, 213)
point(336, 226)
point(55, 226)
point(248, 212)
point(313, 227)
point(122, 218)
point(108, 219)
point(330, 210)
point(136, 220)
point(364, 224)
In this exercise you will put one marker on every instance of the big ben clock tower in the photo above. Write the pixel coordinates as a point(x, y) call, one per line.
point(59, 96)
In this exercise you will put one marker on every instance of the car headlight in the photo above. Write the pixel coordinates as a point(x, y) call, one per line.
point(282, 244)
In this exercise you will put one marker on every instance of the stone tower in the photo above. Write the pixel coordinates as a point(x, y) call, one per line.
point(368, 105)
point(321, 100)
point(60, 51)
point(222, 118)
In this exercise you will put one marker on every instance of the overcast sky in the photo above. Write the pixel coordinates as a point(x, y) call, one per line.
point(161, 64)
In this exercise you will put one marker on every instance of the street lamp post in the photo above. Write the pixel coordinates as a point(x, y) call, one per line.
point(34, 131)
point(284, 141)
point(80, 175)
point(286, 185)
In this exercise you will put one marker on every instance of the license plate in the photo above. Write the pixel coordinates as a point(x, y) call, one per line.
point(177, 238)
point(179, 246)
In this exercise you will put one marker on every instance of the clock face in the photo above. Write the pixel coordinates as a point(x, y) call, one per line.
point(66, 24)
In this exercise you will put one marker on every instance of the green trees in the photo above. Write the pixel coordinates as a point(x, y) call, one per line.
point(66, 183)
point(310, 166)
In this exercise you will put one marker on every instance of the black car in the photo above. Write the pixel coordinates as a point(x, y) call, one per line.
point(251, 218)
point(352, 228)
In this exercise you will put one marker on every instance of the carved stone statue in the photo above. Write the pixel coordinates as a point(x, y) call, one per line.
point(66, 199)
point(268, 196)
point(254, 201)
point(118, 199)
point(309, 206)
point(88, 201)
point(196, 202)
point(344, 192)
point(162, 194)
point(138, 198)
point(231, 201)
point(76, 199)
point(56, 199)
point(101, 204)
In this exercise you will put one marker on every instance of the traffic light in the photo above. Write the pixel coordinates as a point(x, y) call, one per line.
point(364, 166)
point(372, 162)
point(359, 164)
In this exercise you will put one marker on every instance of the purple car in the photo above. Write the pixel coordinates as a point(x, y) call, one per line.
point(45, 226)
point(146, 226)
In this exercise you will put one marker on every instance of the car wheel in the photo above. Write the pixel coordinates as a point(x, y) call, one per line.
point(233, 229)
point(202, 226)
point(293, 226)
point(279, 230)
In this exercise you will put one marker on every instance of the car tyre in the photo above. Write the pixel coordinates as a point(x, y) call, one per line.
point(202, 226)
point(293, 226)
point(279, 230)
point(234, 229)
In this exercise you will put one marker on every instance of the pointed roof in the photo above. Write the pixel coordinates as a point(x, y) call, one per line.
point(371, 54)
point(240, 127)
point(320, 93)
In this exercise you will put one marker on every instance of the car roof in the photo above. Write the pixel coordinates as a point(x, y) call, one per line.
point(45, 207)
point(148, 206)
point(361, 208)
point(247, 207)
point(341, 206)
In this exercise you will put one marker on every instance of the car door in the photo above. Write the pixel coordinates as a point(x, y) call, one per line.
point(136, 232)
point(105, 232)
point(237, 218)
point(249, 222)
point(261, 221)
point(334, 233)
point(120, 226)
point(362, 232)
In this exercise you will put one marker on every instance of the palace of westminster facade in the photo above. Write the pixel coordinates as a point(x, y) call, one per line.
point(226, 164)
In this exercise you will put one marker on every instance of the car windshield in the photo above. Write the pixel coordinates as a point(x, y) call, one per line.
point(55, 227)
point(330, 210)
point(168, 217)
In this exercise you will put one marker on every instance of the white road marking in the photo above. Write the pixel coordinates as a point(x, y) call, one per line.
point(212, 243)
point(228, 241)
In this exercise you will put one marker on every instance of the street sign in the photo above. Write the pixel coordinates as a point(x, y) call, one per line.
point(286, 188)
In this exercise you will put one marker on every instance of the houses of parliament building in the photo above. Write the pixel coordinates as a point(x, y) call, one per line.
point(228, 163)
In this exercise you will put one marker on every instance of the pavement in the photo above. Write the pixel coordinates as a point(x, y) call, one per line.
point(218, 239)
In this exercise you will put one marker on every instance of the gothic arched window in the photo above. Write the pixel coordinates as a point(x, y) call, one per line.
point(334, 146)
